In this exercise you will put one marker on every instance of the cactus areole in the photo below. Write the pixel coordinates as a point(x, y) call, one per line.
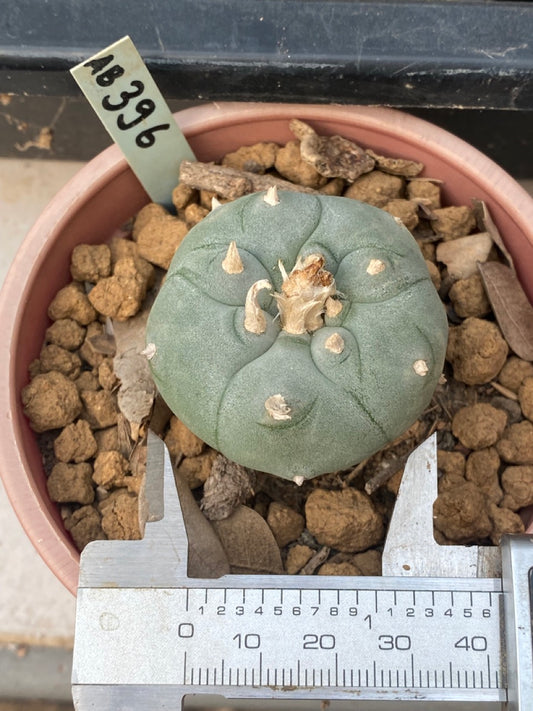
point(296, 333)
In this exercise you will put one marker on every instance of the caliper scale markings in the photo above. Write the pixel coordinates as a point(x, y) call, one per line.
point(309, 638)
point(289, 638)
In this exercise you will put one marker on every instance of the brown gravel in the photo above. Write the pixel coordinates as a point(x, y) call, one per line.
point(468, 297)
point(72, 302)
point(287, 525)
point(85, 525)
point(460, 514)
point(90, 262)
point(181, 442)
point(514, 372)
point(75, 443)
point(516, 444)
point(71, 482)
point(65, 333)
point(525, 397)
point(51, 401)
point(477, 351)
point(517, 483)
point(482, 468)
point(158, 239)
point(376, 188)
point(100, 408)
point(479, 426)
point(346, 519)
point(292, 167)
point(454, 221)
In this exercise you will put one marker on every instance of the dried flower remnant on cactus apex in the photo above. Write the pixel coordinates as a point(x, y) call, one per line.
point(304, 293)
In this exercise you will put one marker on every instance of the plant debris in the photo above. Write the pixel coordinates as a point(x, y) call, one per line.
point(486, 224)
point(315, 561)
point(249, 543)
point(137, 391)
point(397, 166)
point(511, 307)
point(463, 254)
point(227, 487)
point(331, 156)
point(207, 555)
point(230, 183)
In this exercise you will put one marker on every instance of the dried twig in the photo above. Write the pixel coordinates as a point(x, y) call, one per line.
point(231, 183)
point(355, 472)
point(504, 391)
point(387, 471)
point(317, 560)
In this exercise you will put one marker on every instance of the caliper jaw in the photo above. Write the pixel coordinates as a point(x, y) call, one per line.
point(159, 559)
point(517, 564)
point(410, 548)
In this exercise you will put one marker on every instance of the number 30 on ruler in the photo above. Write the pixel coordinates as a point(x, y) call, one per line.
point(122, 92)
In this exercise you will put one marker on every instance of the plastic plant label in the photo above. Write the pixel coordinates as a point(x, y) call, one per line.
point(126, 99)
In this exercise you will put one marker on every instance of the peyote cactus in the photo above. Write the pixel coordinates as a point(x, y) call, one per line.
point(297, 334)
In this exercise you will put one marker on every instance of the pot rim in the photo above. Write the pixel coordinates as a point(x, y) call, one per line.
point(23, 493)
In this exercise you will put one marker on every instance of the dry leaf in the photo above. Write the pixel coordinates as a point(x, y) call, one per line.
point(137, 389)
point(137, 460)
point(462, 255)
point(511, 307)
point(207, 557)
point(125, 444)
point(486, 224)
point(103, 343)
point(249, 543)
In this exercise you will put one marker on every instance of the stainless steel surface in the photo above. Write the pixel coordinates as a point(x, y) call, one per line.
point(384, 643)
point(410, 548)
point(517, 562)
point(147, 635)
point(160, 558)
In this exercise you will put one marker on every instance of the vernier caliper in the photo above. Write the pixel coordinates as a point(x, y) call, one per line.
point(445, 624)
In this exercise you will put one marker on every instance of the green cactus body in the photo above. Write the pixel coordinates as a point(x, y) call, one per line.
point(302, 373)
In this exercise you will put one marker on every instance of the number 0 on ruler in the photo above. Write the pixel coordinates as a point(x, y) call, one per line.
point(122, 92)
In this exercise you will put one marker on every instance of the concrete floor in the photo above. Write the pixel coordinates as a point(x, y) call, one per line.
point(35, 608)
point(36, 612)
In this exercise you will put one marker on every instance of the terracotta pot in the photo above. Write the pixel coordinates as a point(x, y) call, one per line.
point(105, 193)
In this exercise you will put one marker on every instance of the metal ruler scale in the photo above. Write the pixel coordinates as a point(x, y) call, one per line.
point(395, 640)
point(147, 635)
